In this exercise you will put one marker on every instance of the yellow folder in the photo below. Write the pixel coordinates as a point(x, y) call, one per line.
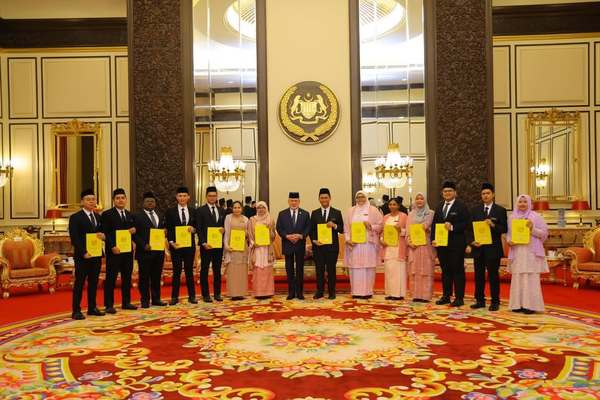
point(237, 240)
point(214, 238)
point(441, 235)
point(183, 237)
point(262, 236)
point(390, 235)
point(324, 234)
point(359, 232)
point(157, 239)
point(417, 235)
point(123, 240)
point(93, 245)
point(520, 232)
point(482, 232)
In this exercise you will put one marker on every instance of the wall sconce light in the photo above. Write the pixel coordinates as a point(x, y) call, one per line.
point(369, 183)
point(6, 171)
point(541, 171)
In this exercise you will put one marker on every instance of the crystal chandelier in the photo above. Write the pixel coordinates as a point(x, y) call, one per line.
point(369, 183)
point(394, 170)
point(226, 174)
point(541, 173)
point(6, 170)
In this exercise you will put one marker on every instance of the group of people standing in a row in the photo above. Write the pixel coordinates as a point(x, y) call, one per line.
point(406, 262)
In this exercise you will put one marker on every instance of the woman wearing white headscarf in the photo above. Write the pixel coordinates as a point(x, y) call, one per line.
point(362, 258)
point(421, 259)
point(262, 258)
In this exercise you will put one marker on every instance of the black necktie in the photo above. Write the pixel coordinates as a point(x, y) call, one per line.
point(183, 221)
point(123, 219)
point(93, 219)
point(214, 214)
point(445, 211)
point(487, 209)
point(324, 215)
point(153, 218)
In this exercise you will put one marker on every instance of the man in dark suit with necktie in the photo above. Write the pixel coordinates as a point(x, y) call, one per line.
point(249, 211)
point(293, 226)
point(114, 219)
point(326, 255)
point(454, 214)
point(87, 267)
point(150, 261)
point(487, 256)
point(182, 257)
point(213, 216)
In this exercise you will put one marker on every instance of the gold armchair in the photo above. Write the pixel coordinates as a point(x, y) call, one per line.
point(585, 261)
point(23, 262)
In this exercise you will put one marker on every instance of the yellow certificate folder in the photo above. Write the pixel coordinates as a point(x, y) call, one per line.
point(262, 236)
point(390, 235)
point(157, 239)
point(237, 240)
point(417, 235)
point(359, 232)
point(183, 237)
point(123, 240)
point(214, 237)
point(93, 245)
point(482, 232)
point(441, 235)
point(520, 232)
point(324, 234)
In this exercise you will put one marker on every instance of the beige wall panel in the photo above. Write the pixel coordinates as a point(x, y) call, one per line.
point(521, 157)
point(549, 75)
point(316, 49)
point(24, 187)
point(76, 87)
point(22, 87)
point(2, 157)
point(241, 141)
point(374, 139)
point(122, 86)
point(122, 141)
point(401, 136)
point(597, 71)
point(417, 139)
point(502, 76)
point(502, 159)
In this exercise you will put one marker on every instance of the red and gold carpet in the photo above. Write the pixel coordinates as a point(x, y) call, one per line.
point(342, 349)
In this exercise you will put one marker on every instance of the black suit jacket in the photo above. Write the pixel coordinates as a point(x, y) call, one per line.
point(458, 215)
point(143, 224)
point(249, 211)
point(204, 220)
point(79, 226)
point(334, 216)
point(499, 218)
point(111, 221)
point(285, 226)
point(173, 219)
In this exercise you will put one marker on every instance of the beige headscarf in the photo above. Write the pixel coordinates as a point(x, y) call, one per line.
point(265, 219)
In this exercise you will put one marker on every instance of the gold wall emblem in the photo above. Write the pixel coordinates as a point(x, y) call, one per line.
point(309, 112)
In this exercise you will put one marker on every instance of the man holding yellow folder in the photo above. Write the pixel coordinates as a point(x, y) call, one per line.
point(81, 224)
point(326, 224)
point(118, 226)
point(150, 255)
point(487, 256)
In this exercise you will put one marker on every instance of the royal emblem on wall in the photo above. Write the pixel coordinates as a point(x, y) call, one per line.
point(309, 112)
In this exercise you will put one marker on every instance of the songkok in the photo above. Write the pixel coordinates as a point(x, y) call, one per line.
point(183, 189)
point(294, 195)
point(248, 199)
point(449, 185)
point(487, 185)
point(211, 189)
point(118, 191)
point(149, 195)
point(87, 192)
point(324, 191)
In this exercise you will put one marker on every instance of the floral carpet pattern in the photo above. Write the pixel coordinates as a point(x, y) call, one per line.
point(343, 349)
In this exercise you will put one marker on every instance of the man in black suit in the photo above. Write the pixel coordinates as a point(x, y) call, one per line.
point(248, 211)
point(385, 209)
point(182, 257)
point(326, 255)
point(86, 267)
point(401, 206)
point(210, 215)
point(454, 214)
point(488, 256)
point(113, 219)
point(293, 226)
point(150, 261)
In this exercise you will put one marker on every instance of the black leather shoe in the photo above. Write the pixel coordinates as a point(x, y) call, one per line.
point(129, 307)
point(145, 305)
point(110, 310)
point(207, 300)
point(77, 315)
point(192, 301)
point(331, 297)
point(389, 297)
point(457, 303)
point(301, 297)
point(528, 311)
point(218, 298)
point(494, 307)
point(475, 306)
point(442, 301)
point(95, 312)
point(317, 296)
point(290, 297)
point(159, 303)
point(367, 297)
point(237, 298)
point(173, 302)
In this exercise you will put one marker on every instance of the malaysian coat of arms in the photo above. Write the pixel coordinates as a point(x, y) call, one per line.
point(309, 112)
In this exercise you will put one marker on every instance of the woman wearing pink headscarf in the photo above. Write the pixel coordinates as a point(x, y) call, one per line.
point(527, 261)
point(362, 258)
point(262, 258)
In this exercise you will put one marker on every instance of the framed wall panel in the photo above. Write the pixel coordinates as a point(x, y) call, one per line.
point(375, 138)
point(121, 86)
point(596, 73)
point(25, 185)
point(2, 191)
point(22, 87)
point(242, 141)
point(503, 159)
point(502, 84)
point(121, 166)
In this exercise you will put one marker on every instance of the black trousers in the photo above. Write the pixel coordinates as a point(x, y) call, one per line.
point(326, 261)
point(294, 268)
point(86, 269)
point(208, 258)
point(492, 264)
point(150, 271)
point(115, 264)
point(183, 259)
point(452, 262)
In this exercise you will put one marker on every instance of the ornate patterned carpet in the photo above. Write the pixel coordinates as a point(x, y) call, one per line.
point(342, 349)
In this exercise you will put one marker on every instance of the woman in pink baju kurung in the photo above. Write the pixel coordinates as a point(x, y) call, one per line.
point(362, 258)
point(527, 261)
point(235, 261)
point(421, 259)
point(394, 257)
point(262, 258)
